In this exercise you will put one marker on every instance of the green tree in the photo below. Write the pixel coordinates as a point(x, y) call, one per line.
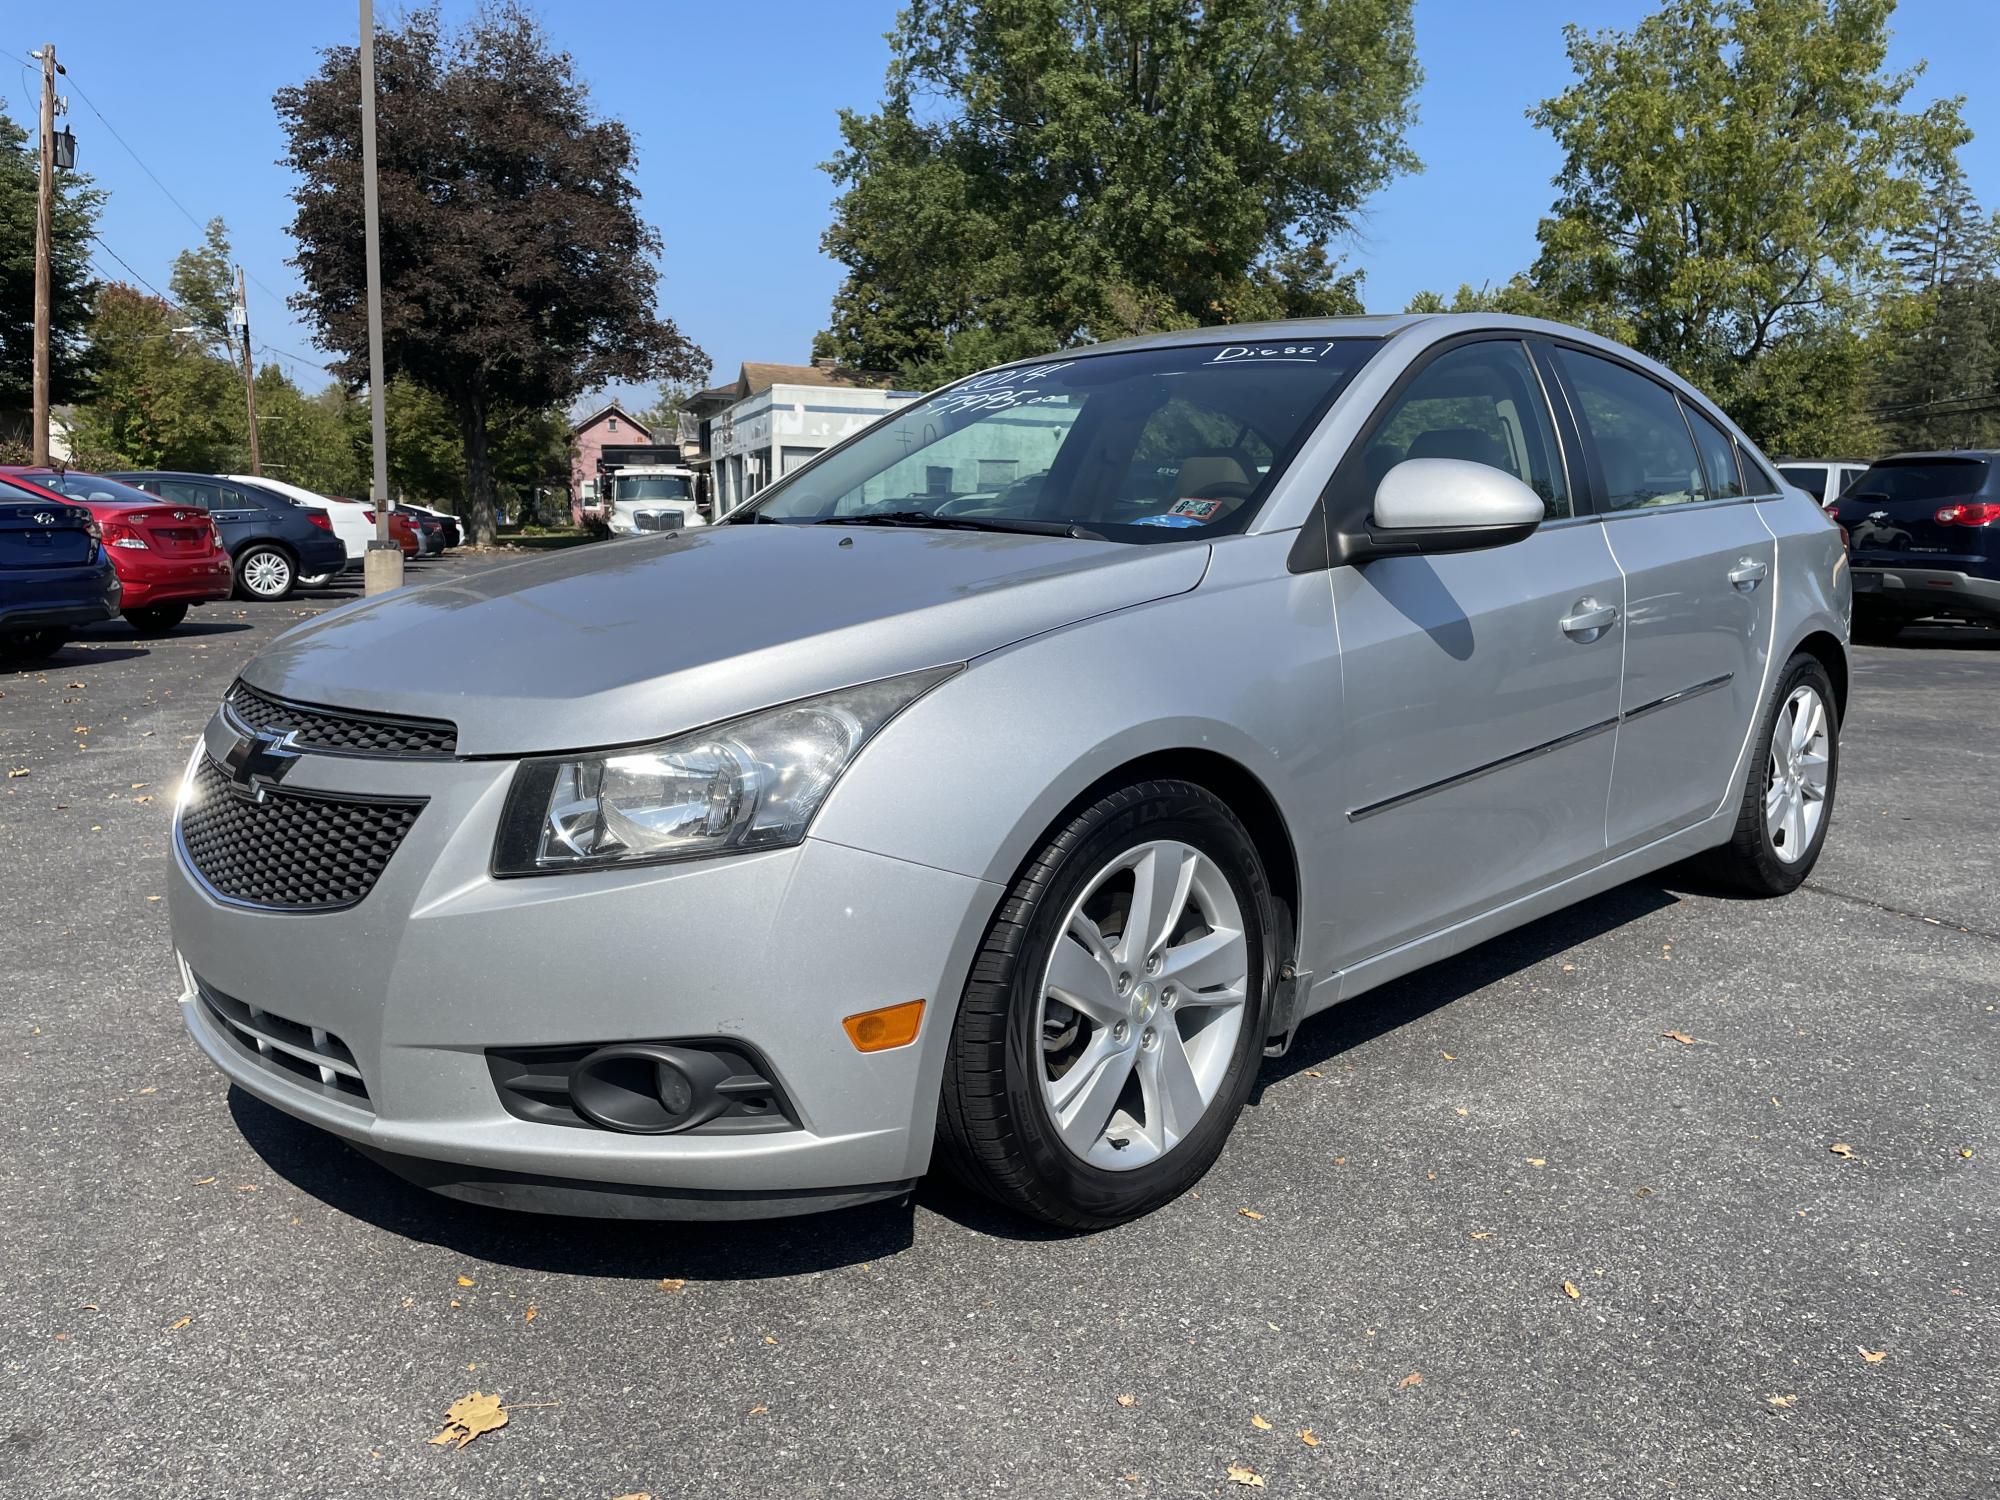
point(516, 271)
point(161, 398)
point(1732, 172)
point(1940, 368)
point(310, 440)
point(203, 284)
point(72, 289)
point(1517, 296)
point(1044, 171)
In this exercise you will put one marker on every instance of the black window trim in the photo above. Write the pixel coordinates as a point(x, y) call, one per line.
point(1342, 505)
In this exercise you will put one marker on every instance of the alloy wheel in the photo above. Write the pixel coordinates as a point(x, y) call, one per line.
point(267, 575)
point(1141, 1004)
point(1795, 779)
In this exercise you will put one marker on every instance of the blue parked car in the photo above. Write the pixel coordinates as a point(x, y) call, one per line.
point(54, 574)
point(1923, 537)
point(272, 542)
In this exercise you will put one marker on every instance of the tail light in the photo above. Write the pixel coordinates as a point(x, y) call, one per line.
point(368, 516)
point(118, 534)
point(215, 534)
point(1969, 513)
point(319, 518)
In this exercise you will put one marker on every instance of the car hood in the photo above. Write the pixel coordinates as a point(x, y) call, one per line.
point(635, 640)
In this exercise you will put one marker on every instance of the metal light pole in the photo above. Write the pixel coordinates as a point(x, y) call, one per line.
point(383, 566)
point(44, 231)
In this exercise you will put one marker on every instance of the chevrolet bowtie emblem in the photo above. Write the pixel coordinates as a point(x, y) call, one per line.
point(259, 763)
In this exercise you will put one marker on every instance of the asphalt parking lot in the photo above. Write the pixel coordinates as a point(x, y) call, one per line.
point(1488, 1232)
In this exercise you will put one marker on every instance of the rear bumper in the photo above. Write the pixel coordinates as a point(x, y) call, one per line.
point(1926, 591)
point(38, 598)
point(321, 553)
point(151, 579)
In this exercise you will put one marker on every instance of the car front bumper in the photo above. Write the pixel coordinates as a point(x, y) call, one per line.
point(441, 961)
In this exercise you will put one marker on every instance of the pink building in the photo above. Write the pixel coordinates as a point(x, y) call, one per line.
point(610, 426)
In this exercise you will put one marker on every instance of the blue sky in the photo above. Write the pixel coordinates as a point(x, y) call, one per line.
point(734, 108)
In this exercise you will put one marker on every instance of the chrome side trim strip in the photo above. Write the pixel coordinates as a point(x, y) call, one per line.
point(1682, 696)
point(1388, 804)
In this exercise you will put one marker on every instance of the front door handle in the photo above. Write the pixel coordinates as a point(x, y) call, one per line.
point(1588, 619)
point(1748, 573)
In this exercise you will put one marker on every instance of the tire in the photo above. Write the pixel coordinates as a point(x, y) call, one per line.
point(316, 581)
point(266, 573)
point(999, 1128)
point(1756, 859)
point(156, 619)
point(32, 645)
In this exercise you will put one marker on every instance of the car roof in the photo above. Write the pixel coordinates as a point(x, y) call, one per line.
point(1928, 453)
point(1857, 463)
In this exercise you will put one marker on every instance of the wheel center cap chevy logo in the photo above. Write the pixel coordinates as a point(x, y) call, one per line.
point(1145, 1000)
point(259, 763)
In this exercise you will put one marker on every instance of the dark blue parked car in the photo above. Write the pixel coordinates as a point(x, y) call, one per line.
point(54, 574)
point(1923, 536)
point(272, 542)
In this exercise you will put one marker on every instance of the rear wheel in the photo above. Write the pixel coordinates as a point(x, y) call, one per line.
point(1114, 1019)
point(156, 619)
point(316, 581)
point(1788, 797)
point(32, 645)
point(265, 573)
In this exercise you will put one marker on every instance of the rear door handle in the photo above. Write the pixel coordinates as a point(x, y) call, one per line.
point(1748, 573)
point(1588, 619)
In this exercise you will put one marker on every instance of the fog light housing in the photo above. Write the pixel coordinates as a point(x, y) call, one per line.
point(647, 1089)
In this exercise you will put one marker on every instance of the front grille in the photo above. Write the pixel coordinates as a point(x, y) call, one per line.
point(310, 1054)
point(293, 851)
point(340, 731)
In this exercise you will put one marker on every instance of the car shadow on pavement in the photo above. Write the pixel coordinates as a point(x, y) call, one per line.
point(1401, 1001)
point(622, 1249)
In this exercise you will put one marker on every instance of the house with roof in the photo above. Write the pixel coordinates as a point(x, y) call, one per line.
point(772, 418)
point(610, 426)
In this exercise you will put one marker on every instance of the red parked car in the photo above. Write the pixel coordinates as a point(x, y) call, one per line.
point(401, 530)
point(168, 557)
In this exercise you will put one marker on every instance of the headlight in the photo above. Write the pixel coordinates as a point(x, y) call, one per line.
point(750, 783)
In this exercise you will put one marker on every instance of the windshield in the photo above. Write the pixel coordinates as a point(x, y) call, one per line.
point(1923, 479)
point(656, 487)
point(1148, 446)
point(94, 487)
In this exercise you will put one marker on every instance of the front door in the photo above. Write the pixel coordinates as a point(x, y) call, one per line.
point(1699, 569)
point(1479, 689)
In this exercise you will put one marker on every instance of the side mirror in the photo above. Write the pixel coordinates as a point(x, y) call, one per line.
point(1443, 505)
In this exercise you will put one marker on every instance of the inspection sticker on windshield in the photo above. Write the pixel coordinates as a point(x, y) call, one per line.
point(1167, 520)
point(1284, 354)
point(1195, 509)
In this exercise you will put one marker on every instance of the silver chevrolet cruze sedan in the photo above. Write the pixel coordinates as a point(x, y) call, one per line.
point(1000, 786)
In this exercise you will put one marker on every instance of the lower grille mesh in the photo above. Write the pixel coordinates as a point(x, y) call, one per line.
point(292, 851)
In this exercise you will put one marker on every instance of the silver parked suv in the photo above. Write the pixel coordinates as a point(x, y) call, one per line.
point(1003, 784)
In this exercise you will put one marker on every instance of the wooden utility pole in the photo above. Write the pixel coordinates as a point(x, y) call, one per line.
point(44, 233)
point(249, 373)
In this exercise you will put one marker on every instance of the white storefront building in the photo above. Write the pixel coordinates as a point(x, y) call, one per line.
point(780, 416)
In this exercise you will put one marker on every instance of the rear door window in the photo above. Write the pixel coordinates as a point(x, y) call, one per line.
point(1643, 444)
point(1718, 456)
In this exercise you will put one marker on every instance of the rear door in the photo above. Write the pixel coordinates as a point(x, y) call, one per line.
point(1892, 513)
point(1698, 564)
point(1479, 689)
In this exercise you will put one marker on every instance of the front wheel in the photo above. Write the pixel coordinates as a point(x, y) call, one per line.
point(265, 573)
point(1113, 1023)
point(156, 619)
point(1787, 804)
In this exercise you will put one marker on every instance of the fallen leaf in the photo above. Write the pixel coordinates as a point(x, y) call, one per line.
point(203, 1181)
point(1462, 1112)
point(1873, 1356)
point(1480, 1234)
point(1781, 1401)
point(769, 1340)
point(1249, 1213)
point(1415, 1377)
point(757, 1411)
point(636, 1495)
point(1307, 1437)
point(672, 1284)
point(1447, 1057)
point(528, 1313)
point(1244, 1475)
point(17, 771)
point(1570, 1291)
point(1314, 1073)
point(1430, 1177)
point(1536, 1161)
point(467, 1281)
point(1678, 1036)
point(152, 898)
point(1569, 968)
point(1258, 1422)
point(1842, 1150)
point(179, 1323)
point(81, 729)
point(456, 1303)
point(142, 799)
point(1965, 1152)
point(469, 1416)
point(1128, 1401)
point(1340, 1161)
